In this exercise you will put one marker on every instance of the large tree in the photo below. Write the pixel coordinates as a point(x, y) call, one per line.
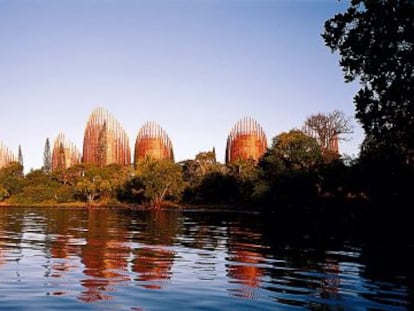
point(160, 179)
point(375, 41)
point(296, 150)
point(328, 129)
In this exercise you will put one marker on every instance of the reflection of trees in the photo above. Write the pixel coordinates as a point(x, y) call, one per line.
point(105, 257)
point(62, 246)
point(10, 231)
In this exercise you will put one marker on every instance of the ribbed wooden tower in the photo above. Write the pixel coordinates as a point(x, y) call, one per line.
point(64, 154)
point(152, 141)
point(246, 140)
point(105, 141)
point(6, 156)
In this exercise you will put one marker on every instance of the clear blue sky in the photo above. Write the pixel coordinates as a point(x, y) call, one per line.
point(195, 67)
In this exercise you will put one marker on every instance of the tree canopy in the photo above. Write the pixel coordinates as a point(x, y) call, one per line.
point(375, 41)
point(160, 179)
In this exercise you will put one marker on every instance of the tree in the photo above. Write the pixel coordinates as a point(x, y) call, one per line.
point(160, 178)
point(4, 194)
point(289, 170)
point(20, 156)
point(206, 161)
point(47, 157)
point(328, 129)
point(11, 177)
point(297, 150)
point(91, 188)
point(375, 41)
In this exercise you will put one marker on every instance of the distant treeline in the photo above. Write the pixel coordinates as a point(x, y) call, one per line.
point(293, 172)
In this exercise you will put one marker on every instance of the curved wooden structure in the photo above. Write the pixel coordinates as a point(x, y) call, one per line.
point(246, 140)
point(105, 141)
point(64, 154)
point(6, 156)
point(152, 141)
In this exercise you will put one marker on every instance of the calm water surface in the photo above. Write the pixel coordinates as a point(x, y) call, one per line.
point(107, 259)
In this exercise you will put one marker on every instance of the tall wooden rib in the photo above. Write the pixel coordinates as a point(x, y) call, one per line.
point(152, 141)
point(64, 154)
point(105, 141)
point(6, 156)
point(246, 140)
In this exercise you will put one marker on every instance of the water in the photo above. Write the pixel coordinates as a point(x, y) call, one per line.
point(108, 259)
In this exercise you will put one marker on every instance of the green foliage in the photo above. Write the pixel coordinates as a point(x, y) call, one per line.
point(296, 150)
point(4, 194)
point(11, 178)
point(216, 188)
point(161, 179)
point(91, 188)
point(376, 46)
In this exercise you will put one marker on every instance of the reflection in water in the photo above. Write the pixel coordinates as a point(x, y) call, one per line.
point(153, 266)
point(244, 260)
point(153, 262)
point(105, 257)
point(109, 259)
point(331, 281)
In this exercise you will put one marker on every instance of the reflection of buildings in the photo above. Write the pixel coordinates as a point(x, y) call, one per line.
point(105, 257)
point(153, 262)
point(152, 141)
point(105, 141)
point(64, 154)
point(246, 140)
point(153, 266)
point(244, 261)
point(6, 156)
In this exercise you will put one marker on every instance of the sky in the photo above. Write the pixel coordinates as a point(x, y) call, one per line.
point(193, 66)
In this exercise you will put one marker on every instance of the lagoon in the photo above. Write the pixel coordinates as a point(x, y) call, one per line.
point(123, 259)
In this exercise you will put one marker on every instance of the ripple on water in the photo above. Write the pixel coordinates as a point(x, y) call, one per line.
point(140, 260)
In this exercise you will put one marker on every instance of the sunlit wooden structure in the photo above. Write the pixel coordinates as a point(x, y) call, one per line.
point(246, 140)
point(64, 154)
point(152, 141)
point(105, 141)
point(6, 156)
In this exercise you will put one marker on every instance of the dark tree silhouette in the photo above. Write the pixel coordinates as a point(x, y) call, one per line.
point(375, 41)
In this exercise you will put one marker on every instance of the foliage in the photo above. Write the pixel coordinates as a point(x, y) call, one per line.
point(161, 179)
point(4, 194)
point(11, 178)
point(376, 46)
point(91, 188)
point(47, 157)
point(217, 187)
point(296, 150)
